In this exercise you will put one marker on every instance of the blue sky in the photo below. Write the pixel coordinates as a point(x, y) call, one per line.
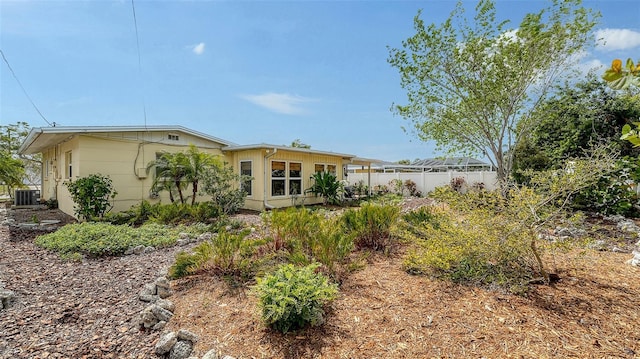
point(245, 71)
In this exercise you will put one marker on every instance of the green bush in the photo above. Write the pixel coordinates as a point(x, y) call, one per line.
point(327, 186)
point(292, 228)
point(91, 195)
point(482, 249)
point(292, 298)
point(416, 219)
point(330, 245)
point(189, 263)
point(97, 239)
point(371, 225)
point(614, 192)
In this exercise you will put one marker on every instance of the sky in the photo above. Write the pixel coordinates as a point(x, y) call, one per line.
point(245, 71)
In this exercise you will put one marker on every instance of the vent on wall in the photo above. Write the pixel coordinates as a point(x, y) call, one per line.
point(173, 137)
point(27, 197)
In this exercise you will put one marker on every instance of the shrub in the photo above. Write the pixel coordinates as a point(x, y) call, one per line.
point(457, 184)
point(412, 188)
point(327, 186)
point(396, 186)
point(371, 225)
point(96, 239)
point(330, 245)
point(418, 218)
point(614, 192)
point(483, 249)
point(189, 263)
point(292, 298)
point(292, 228)
point(91, 195)
point(220, 182)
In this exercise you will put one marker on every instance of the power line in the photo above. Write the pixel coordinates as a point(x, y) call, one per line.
point(135, 24)
point(22, 87)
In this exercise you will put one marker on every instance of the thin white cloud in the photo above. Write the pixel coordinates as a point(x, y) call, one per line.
point(198, 49)
point(280, 102)
point(617, 39)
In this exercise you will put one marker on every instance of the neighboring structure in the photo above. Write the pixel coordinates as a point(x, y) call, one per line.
point(280, 173)
point(460, 164)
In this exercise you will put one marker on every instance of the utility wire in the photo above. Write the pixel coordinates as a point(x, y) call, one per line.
point(22, 87)
point(135, 24)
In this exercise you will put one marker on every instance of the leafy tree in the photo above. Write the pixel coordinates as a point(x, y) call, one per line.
point(11, 171)
point(17, 169)
point(298, 144)
point(579, 117)
point(92, 195)
point(470, 82)
point(197, 165)
point(221, 183)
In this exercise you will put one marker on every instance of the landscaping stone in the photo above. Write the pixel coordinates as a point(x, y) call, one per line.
point(160, 325)
point(138, 249)
point(160, 313)
point(211, 354)
point(166, 304)
point(148, 298)
point(7, 298)
point(181, 350)
point(184, 334)
point(165, 343)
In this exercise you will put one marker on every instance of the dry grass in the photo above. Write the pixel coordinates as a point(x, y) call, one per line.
point(383, 312)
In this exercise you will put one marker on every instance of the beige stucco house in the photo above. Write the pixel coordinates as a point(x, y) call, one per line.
point(280, 173)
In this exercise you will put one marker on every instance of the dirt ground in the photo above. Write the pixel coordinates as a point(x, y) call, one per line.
point(76, 310)
point(593, 311)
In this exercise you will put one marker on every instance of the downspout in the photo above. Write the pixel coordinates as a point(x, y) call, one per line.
point(266, 182)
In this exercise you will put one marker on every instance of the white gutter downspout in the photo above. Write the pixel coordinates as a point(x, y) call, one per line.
point(266, 182)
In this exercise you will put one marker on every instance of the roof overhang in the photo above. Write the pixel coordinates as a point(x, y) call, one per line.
point(286, 148)
point(41, 138)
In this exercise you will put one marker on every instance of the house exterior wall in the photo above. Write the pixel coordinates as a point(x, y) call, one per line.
point(262, 182)
point(123, 157)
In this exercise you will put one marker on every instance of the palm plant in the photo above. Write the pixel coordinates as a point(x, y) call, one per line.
point(197, 164)
point(171, 173)
point(327, 186)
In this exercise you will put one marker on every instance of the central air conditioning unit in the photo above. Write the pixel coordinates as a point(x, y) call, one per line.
point(27, 197)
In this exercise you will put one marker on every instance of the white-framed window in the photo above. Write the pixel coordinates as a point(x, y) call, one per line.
point(173, 137)
point(323, 167)
point(295, 178)
point(286, 178)
point(278, 178)
point(68, 165)
point(247, 182)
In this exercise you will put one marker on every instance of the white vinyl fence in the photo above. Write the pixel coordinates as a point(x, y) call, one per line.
point(427, 181)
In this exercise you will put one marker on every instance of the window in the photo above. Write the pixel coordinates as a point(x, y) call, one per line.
point(68, 161)
point(321, 167)
point(247, 181)
point(278, 180)
point(286, 178)
point(295, 178)
point(173, 137)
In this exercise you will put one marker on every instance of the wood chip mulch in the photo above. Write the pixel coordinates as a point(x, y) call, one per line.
point(87, 310)
point(71, 309)
point(383, 312)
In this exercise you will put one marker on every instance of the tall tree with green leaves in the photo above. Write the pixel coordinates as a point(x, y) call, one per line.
point(17, 169)
point(580, 116)
point(197, 165)
point(170, 174)
point(470, 82)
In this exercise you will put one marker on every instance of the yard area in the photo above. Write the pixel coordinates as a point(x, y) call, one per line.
point(87, 309)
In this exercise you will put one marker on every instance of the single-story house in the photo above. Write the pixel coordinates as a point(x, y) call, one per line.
point(280, 173)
